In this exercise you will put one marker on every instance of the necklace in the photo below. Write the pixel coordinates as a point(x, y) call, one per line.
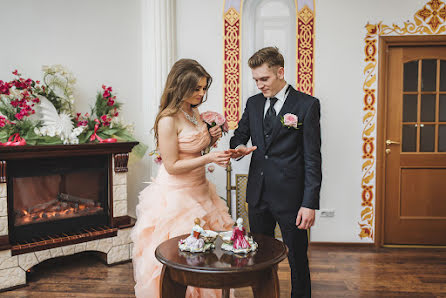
point(190, 118)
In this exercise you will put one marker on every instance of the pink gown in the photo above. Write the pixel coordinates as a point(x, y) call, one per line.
point(167, 208)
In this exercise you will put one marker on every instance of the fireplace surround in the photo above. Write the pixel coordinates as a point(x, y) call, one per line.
point(61, 200)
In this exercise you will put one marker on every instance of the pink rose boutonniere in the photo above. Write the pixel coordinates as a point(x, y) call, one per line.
point(290, 120)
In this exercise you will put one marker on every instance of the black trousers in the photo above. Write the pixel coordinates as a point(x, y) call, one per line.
point(262, 220)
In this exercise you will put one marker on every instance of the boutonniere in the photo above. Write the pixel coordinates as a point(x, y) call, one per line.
point(290, 121)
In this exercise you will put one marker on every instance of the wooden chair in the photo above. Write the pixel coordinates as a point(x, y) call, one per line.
point(241, 182)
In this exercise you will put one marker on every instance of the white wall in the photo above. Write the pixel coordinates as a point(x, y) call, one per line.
point(339, 65)
point(339, 79)
point(101, 42)
point(98, 40)
point(200, 37)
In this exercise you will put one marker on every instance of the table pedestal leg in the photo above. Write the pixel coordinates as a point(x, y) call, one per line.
point(170, 288)
point(225, 293)
point(268, 285)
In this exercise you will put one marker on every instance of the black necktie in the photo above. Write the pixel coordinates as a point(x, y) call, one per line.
point(269, 118)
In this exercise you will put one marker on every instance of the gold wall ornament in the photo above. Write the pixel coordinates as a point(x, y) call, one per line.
point(232, 104)
point(305, 48)
point(232, 17)
point(429, 20)
point(433, 14)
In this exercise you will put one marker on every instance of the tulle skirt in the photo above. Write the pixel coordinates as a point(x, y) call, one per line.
point(166, 209)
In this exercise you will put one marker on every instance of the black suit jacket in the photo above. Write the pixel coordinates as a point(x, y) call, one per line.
point(290, 163)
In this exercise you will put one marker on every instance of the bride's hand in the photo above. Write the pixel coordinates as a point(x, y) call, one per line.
point(220, 158)
point(215, 131)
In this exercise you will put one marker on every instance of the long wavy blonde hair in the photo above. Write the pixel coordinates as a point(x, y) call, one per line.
point(181, 83)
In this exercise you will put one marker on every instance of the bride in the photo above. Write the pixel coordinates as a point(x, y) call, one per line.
point(180, 193)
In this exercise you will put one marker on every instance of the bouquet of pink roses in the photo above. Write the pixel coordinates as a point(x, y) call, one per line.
point(214, 118)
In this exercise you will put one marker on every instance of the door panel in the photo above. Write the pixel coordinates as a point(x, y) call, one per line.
point(415, 190)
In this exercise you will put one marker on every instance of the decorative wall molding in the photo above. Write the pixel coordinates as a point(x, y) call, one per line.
point(232, 103)
point(429, 20)
point(305, 37)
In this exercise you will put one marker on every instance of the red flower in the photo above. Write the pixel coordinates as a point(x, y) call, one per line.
point(4, 87)
point(19, 116)
point(15, 72)
point(19, 84)
point(2, 121)
point(111, 102)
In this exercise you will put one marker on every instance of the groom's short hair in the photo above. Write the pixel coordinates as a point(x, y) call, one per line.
point(270, 55)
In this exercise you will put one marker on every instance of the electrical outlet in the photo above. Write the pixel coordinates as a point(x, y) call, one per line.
point(327, 213)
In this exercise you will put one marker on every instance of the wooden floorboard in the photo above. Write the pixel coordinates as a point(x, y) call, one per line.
point(335, 272)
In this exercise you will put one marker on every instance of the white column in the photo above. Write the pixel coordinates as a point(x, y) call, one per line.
point(159, 47)
point(158, 55)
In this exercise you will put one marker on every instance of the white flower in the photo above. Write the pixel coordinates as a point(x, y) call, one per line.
point(51, 132)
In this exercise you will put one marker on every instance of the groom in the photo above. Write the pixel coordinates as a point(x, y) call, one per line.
point(285, 172)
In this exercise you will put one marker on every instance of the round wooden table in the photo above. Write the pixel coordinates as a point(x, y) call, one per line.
point(219, 269)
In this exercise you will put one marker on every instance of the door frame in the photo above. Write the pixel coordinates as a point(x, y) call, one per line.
point(385, 42)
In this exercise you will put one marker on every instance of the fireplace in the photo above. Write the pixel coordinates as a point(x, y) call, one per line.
point(60, 200)
point(50, 196)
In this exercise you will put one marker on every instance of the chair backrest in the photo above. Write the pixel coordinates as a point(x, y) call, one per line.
point(241, 182)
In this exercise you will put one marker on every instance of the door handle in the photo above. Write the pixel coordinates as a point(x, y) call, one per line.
point(390, 142)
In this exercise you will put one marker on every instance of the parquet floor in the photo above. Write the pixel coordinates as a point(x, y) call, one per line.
point(336, 272)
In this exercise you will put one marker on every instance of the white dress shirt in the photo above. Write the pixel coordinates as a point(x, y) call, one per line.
point(281, 96)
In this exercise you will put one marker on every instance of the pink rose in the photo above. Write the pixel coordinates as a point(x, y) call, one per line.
point(219, 119)
point(208, 117)
point(290, 120)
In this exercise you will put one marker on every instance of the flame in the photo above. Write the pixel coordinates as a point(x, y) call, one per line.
point(25, 217)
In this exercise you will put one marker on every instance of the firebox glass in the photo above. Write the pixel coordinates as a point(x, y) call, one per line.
point(55, 197)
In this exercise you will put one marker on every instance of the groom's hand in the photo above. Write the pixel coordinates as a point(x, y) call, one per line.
point(305, 218)
point(241, 151)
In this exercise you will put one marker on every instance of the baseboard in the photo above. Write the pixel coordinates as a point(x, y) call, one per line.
point(342, 244)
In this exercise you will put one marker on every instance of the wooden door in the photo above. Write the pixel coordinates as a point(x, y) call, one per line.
point(415, 133)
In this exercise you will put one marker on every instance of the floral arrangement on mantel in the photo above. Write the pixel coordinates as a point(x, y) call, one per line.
point(41, 113)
